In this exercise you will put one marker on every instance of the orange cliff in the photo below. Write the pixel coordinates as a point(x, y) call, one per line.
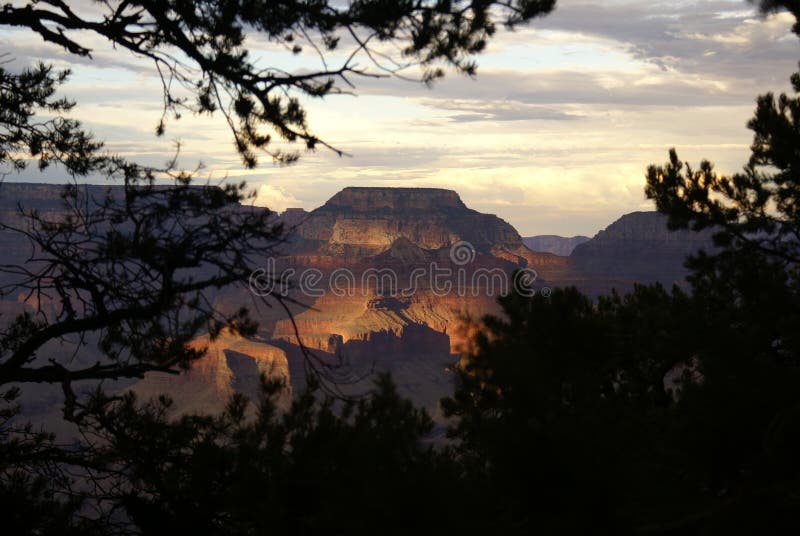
point(377, 302)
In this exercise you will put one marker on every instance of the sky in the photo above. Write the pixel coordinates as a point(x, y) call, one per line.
point(554, 134)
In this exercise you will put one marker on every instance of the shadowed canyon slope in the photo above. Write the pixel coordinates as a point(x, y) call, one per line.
point(637, 248)
point(393, 273)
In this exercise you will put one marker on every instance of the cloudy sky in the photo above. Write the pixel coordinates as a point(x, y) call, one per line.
point(553, 135)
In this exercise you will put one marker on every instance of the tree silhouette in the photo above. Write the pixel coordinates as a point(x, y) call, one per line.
point(133, 270)
point(741, 423)
point(201, 53)
point(320, 466)
point(754, 211)
point(656, 412)
point(130, 264)
point(310, 469)
point(560, 410)
point(60, 140)
point(133, 267)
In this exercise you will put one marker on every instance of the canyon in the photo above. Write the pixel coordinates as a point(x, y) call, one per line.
point(393, 277)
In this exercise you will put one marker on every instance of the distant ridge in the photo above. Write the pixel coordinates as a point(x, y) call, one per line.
point(558, 245)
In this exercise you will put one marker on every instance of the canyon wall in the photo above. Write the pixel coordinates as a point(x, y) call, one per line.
point(397, 272)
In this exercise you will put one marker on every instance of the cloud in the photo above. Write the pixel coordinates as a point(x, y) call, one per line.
point(691, 52)
point(26, 47)
point(679, 35)
point(474, 110)
point(276, 199)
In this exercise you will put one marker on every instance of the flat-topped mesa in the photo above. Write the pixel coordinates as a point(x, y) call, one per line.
point(362, 222)
point(365, 199)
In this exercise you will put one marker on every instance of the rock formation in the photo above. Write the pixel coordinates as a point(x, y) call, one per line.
point(231, 364)
point(638, 248)
point(363, 222)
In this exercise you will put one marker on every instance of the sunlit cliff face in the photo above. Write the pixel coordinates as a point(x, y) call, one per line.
point(370, 220)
